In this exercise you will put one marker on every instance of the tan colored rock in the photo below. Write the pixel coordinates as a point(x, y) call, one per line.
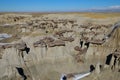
point(97, 68)
point(56, 43)
point(70, 39)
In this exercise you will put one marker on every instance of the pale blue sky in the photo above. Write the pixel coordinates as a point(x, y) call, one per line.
point(54, 5)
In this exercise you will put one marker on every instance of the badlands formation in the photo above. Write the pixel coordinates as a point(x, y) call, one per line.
point(45, 46)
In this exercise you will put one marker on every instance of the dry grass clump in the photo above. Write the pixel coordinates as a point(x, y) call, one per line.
point(8, 30)
point(12, 30)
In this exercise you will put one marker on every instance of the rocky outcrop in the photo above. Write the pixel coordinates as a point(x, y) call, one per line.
point(97, 42)
point(60, 33)
point(56, 43)
point(70, 39)
point(43, 42)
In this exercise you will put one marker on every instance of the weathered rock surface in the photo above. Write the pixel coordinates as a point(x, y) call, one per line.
point(51, 46)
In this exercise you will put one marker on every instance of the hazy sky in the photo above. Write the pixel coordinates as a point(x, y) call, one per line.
point(55, 5)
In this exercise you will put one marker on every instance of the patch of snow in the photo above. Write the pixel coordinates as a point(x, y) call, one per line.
point(4, 36)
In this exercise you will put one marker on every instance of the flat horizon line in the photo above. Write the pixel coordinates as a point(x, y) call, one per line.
point(58, 12)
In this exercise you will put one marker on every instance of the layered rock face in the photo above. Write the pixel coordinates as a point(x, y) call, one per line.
point(48, 46)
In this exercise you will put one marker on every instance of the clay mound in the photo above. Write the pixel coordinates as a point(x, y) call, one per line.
point(77, 48)
point(36, 43)
point(60, 33)
point(40, 43)
point(70, 75)
point(85, 38)
point(56, 43)
point(84, 51)
point(70, 39)
point(114, 40)
point(48, 39)
point(20, 46)
point(96, 41)
point(43, 42)
point(8, 45)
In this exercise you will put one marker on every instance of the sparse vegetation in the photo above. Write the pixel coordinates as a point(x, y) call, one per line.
point(101, 15)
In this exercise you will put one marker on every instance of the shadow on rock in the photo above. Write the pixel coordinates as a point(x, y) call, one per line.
point(21, 72)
